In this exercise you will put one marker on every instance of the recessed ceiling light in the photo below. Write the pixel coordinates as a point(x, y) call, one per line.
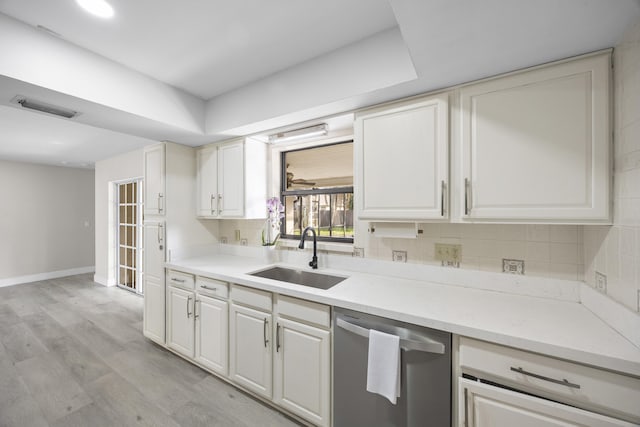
point(97, 7)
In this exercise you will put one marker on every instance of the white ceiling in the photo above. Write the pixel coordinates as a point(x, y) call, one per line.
point(207, 47)
point(198, 71)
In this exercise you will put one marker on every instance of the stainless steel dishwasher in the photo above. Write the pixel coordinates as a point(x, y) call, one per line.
point(425, 397)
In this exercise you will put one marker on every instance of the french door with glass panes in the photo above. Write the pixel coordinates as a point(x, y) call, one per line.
point(130, 235)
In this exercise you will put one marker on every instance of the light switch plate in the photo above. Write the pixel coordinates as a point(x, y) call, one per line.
point(601, 282)
point(399, 256)
point(237, 235)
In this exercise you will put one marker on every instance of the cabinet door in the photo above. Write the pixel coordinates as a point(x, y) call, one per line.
point(180, 320)
point(154, 279)
point(483, 405)
point(154, 314)
point(231, 179)
point(212, 333)
point(207, 164)
point(401, 158)
point(154, 180)
point(250, 349)
point(535, 145)
point(302, 370)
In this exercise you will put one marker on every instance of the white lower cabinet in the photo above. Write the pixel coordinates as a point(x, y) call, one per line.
point(302, 370)
point(154, 310)
point(484, 405)
point(197, 320)
point(211, 317)
point(250, 349)
point(502, 387)
point(180, 321)
point(280, 348)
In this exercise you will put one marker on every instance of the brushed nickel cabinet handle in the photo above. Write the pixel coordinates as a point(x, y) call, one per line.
point(160, 202)
point(208, 287)
point(264, 332)
point(277, 337)
point(213, 198)
point(188, 312)
point(467, 195)
point(543, 378)
point(195, 308)
point(442, 189)
point(173, 279)
point(160, 236)
point(220, 204)
point(466, 408)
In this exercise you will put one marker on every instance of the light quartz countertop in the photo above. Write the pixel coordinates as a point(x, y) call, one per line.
point(557, 327)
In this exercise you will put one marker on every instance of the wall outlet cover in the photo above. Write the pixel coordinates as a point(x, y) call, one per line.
point(513, 266)
point(358, 252)
point(448, 253)
point(244, 242)
point(601, 282)
point(223, 240)
point(399, 256)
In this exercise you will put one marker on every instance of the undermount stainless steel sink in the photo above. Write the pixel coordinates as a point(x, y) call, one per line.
point(299, 277)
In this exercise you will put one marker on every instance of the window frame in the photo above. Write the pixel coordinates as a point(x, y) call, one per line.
point(307, 192)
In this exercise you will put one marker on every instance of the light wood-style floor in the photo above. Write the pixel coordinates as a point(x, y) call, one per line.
point(72, 354)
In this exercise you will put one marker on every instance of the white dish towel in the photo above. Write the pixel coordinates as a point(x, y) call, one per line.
point(383, 365)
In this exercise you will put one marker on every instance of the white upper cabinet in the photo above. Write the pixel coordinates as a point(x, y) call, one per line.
point(401, 160)
point(535, 145)
point(232, 180)
point(154, 180)
point(207, 193)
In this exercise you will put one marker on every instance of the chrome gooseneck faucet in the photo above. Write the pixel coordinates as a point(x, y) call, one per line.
point(314, 261)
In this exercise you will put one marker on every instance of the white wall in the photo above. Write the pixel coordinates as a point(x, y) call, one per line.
point(615, 251)
point(46, 221)
point(119, 168)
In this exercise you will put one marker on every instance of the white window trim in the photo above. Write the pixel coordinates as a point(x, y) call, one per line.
point(273, 184)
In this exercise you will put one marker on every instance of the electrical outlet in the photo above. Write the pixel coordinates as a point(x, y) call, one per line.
point(237, 234)
point(358, 252)
point(513, 266)
point(450, 254)
point(244, 242)
point(399, 256)
point(601, 282)
point(223, 240)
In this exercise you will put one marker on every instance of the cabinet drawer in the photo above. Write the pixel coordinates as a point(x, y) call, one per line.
point(306, 311)
point(212, 287)
point(251, 297)
point(180, 279)
point(576, 384)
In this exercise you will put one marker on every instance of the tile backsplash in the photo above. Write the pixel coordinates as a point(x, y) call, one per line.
point(547, 250)
point(614, 251)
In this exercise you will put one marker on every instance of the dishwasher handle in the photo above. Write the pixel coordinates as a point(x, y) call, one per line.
point(425, 345)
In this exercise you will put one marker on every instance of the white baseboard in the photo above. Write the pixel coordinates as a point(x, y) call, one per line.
point(45, 276)
point(103, 281)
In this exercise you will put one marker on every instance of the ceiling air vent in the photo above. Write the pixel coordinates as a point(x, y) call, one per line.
point(43, 107)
